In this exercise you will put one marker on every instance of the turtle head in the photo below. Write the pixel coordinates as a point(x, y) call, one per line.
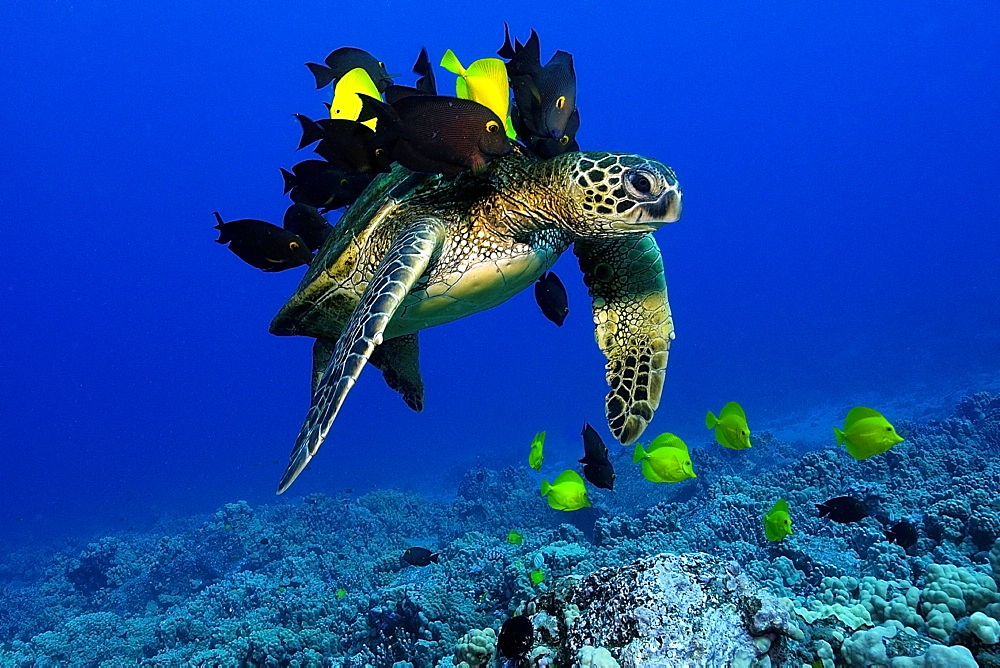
point(621, 193)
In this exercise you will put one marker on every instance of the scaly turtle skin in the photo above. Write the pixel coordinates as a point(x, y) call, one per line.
point(420, 250)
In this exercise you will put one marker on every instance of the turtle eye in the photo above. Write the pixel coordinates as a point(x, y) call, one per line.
point(564, 140)
point(560, 102)
point(641, 182)
point(492, 126)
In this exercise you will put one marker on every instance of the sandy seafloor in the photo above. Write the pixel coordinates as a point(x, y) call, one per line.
point(258, 585)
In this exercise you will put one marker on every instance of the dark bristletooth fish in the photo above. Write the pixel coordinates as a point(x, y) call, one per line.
point(550, 294)
point(343, 60)
point(517, 637)
point(343, 143)
point(426, 84)
point(437, 134)
point(323, 185)
point(843, 509)
point(546, 147)
point(597, 468)
point(902, 533)
point(420, 556)
point(263, 245)
point(307, 222)
point(544, 96)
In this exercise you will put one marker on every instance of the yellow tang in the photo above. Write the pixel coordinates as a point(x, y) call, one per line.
point(777, 521)
point(515, 537)
point(341, 594)
point(866, 433)
point(567, 492)
point(731, 428)
point(535, 456)
point(485, 82)
point(667, 459)
point(346, 103)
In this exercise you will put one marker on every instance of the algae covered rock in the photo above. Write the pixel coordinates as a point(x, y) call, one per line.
point(665, 610)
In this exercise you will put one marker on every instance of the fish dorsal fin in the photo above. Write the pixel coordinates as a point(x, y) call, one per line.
point(781, 506)
point(733, 408)
point(346, 101)
point(860, 413)
point(667, 440)
point(568, 476)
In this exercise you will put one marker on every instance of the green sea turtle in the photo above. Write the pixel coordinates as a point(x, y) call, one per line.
point(418, 250)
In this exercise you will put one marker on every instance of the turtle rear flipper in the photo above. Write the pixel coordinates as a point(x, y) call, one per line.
point(398, 272)
point(634, 326)
point(397, 359)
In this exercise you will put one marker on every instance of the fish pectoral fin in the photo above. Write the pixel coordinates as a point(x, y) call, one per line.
point(395, 276)
point(634, 326)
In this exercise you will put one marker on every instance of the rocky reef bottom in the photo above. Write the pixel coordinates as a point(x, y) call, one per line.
point(651, 575)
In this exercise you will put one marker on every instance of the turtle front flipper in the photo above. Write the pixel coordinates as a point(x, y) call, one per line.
point(399, 270)
point(634, 325)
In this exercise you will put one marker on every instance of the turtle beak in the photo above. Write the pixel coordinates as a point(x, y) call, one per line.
point(671, 201)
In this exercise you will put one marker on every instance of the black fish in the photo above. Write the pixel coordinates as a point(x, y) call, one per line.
point(547, 147)
point(544, 96)
point(843, 509)
point(420, 556)
point(517, 635)
point(902, 533)
point(343, 60)
point(308, 223)
point(323, 185)
point(423, 68)
point(345, 144)
point(437, 134)
point(597, 468)
point(263, 245)
point(551, 297)
point(425, 84)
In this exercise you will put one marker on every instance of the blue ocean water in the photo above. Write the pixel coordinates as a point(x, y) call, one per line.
point(838, 244)
point(838, 239)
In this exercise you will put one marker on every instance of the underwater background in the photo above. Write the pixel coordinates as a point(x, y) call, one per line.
point(838, 247)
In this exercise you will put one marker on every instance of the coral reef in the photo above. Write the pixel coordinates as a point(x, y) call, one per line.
point(261, 585)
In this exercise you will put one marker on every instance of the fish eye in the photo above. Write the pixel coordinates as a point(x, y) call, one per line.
point(379, 151)
point(294, 245)
point(492, 126)
point(381, 64)
point(560, 102)
point(344, 182)
point(564, 140)
point(888, 428)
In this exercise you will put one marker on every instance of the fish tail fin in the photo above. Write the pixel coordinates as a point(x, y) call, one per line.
point(638, 454)
point(823, 511)
point(450, 62)
point(434, 557)
point(311, 132)
point(387, 121)
point(839, 435)
point(322, 73)
point(224, 238)
point(711, 420)
point(507, 50)
point(289, 178)
point(545, 487)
